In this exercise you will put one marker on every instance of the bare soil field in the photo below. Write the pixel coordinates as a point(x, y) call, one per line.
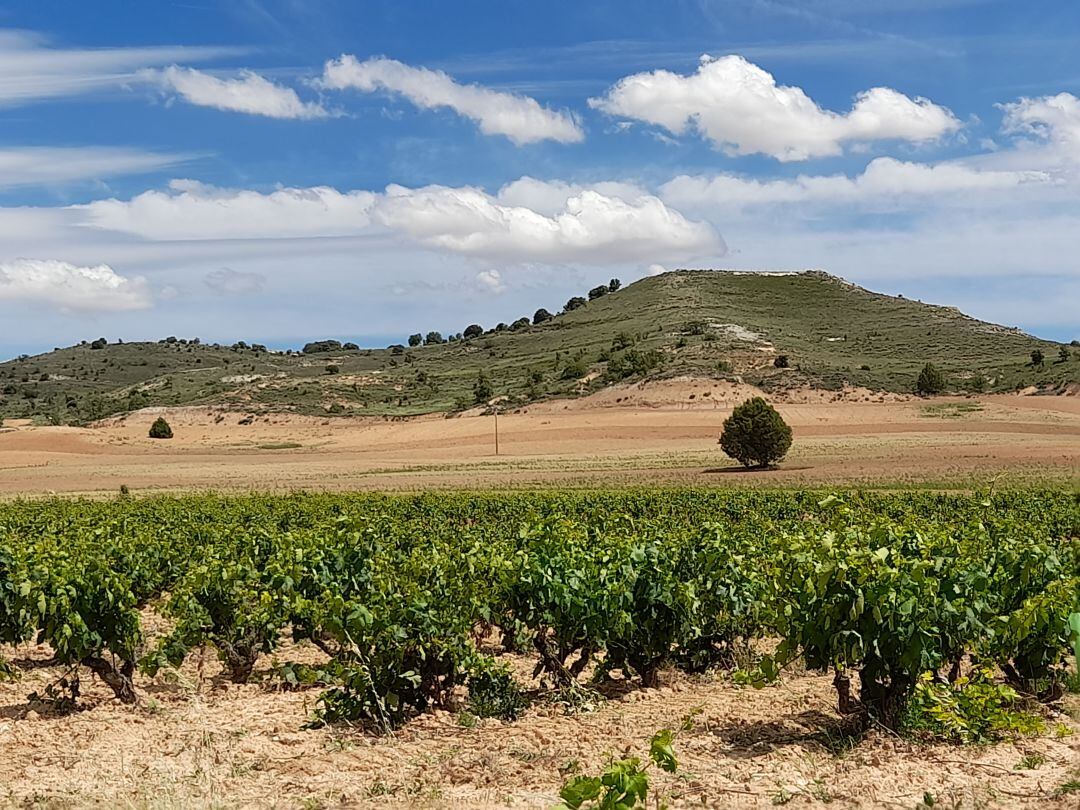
point(196, 740)
point(662, 433)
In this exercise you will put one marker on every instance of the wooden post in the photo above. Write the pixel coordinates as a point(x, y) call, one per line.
point(495, 410)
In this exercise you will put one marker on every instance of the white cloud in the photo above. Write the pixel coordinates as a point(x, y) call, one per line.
point(591, 228)
point(549, 197)
point(70, 287)
point(30, 70)
point(520, 118)
point(491, 281)
point(227, 281)
point(741, 109)
point(883, 180)
point(251, 93)
point(192, 210)
point(578, 224)
point(50, 165)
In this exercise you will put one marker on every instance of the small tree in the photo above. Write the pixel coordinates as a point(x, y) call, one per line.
point(598, 292)
point(520, 323)
point(614, 285)
point(541, 316)
point(755, 435)
point(473, 330)
point(416, 340)
point(160, 429)
point(931, 380)
point(433, 339)
point(781, 361)
point(577, 302)
point(1063, 355)
point(482, 390)
point(1037, 357)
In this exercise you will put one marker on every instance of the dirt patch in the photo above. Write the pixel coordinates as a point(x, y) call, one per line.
point(661, 434)
point(196, 741)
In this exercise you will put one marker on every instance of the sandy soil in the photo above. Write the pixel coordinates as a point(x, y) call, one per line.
point(197, 741)
point(658, 433)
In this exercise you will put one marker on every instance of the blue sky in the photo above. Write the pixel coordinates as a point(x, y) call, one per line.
point(281, 170)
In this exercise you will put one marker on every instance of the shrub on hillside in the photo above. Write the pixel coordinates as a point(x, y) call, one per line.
point(931, 380)
point(755, 435)
point(541, 316)
point(577, 302)
point(781, 361)
point(160, 429)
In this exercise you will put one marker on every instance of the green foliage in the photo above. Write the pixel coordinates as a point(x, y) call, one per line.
point(396, 590)
point(624, 784)
point(160, 429)
point(493, 693)
point(969, 710)
point(482, 389)
point(755, 435)
point(931, 381)
point(632, 362)
point(541, 316)
point(577, 302)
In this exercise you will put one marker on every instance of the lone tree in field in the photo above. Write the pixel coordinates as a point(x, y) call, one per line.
point(160, 429)
point(755, 434)
point(931, 380)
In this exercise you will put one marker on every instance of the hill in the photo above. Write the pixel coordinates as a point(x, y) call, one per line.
point(689, 322)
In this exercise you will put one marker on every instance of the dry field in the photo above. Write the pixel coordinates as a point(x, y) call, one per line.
point(661, 433)
point(199, 741)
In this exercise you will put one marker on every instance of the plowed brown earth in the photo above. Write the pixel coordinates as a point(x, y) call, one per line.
point(656, 434)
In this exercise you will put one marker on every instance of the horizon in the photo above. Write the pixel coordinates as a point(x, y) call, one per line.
point(280, 172)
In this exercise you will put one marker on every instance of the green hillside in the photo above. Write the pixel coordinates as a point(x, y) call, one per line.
point(691, 322)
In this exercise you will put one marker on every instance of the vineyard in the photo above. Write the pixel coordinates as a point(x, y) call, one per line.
point(410, 601)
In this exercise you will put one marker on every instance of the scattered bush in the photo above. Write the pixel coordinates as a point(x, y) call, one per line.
point(541, 316)
point(416, 340)
point(1037, 357)
point(473, 330)
point(598, 292)
point(482, 390)
point(781, 361)
point(312, 348)
point(931, 381)
point(577, 302)
point(160, 429)
point(755, 434)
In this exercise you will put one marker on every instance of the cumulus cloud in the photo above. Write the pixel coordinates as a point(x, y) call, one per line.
point(192, 210)
point(250, 93)
point(70, 287)
point(577, 224)
point(591, 228)
point(227, 281)
point(491, 281)
point(520, 118)
point(884, 179)
point(52, 165)
point(742, 110)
